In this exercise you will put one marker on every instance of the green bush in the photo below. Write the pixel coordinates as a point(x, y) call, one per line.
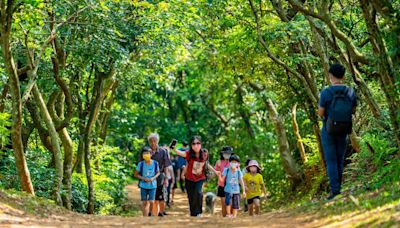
point(376, 164)
point(79, 193)
point(8, 173)
point(4, 129)
point(110, 179)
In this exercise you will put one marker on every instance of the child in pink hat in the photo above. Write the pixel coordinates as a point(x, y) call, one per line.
point(254, 183)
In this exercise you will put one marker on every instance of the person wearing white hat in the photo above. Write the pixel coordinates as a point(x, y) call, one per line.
point(254, 183)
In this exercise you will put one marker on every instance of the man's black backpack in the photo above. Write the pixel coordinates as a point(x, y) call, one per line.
point(339, 121)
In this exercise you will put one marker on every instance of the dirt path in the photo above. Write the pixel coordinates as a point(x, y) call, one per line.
point(178, 217)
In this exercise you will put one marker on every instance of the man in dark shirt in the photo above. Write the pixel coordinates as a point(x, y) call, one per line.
point(334, 145)
point(161, 156)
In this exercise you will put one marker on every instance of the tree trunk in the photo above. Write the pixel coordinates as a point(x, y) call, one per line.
point(244, 113)
point(322, 51)
point(54, 142)
point(289, 164)
point(42, 132)
point(83, 109)
point(56, 109)
point(26, 133)
point(103, 85)
point(355, 141)
point(347, 60)
point(16, 134)
point(81, 144)
point(317, 133)
point(80, 153)
point(68, 158)
point(384, 66)
point(106, 114)
point(300, 144)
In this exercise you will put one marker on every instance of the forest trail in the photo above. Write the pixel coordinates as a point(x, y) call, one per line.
point(178, 217)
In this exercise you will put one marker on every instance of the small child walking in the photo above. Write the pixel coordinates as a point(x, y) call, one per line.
point(254, 184)
point(233, 177)
point(147, 172)
point(221, 165)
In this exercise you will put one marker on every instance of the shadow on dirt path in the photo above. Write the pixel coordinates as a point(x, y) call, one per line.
point(178, 216)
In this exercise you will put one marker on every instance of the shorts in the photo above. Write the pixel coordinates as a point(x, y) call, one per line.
point(160, 193)
point(233, 200)
point(251, 201)
point(147, 194)
point(220, 191)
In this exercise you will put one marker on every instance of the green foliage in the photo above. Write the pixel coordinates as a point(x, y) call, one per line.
point(5, 123)
point(378, 158)
point(371, 189)
point(189, 68)
point(79, 193)
point(110, 180)
point(42, 176)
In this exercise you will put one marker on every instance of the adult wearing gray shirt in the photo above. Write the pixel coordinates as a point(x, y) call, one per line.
point(161, 156)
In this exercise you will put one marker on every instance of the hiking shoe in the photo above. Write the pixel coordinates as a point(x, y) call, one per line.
point(164, 213)
point(150, 214)
point(160, 215)
point(331, 196)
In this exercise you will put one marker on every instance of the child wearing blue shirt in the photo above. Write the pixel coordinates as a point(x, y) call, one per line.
point(233, 177)
point(147, 172)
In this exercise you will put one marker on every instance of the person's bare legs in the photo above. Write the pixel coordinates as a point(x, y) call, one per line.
point(155, 208)
point(162, 206)
point(172, 197)
point(234, 213)
point(251, 207)
point(257, 206)
point(223, 206)
point(145, 208)
point(228, 210)
point(151, 206)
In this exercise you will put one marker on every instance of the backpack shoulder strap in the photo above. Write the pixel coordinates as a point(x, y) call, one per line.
point(141, 168)
point(205, 154)
point(227, 173)
point(155, 166)
point(239, 172)
point(349, 91)
point(329, 90)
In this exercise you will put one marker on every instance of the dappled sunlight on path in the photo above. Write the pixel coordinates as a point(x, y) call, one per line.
point(178, 216)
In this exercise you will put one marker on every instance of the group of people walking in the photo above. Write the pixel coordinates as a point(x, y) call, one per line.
point(156, 166)
point(156, 171)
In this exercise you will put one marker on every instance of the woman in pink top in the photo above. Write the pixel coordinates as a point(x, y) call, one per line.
point(220, 165)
